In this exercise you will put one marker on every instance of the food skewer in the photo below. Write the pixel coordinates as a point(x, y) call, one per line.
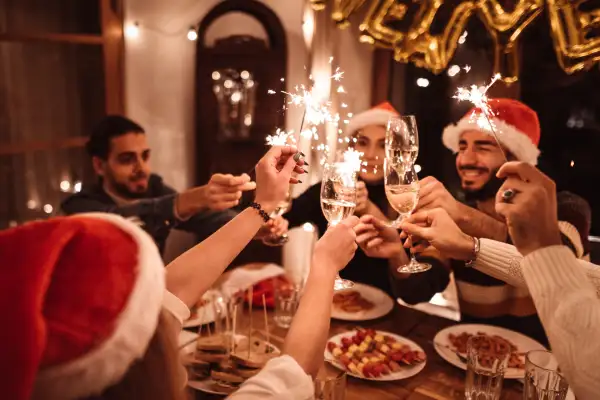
point(251, 295)
point(266, 319)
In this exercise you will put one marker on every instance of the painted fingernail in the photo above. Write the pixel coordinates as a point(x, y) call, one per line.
point(305, 171)
point(303, 155)
point(299, 181)
point(305, 163)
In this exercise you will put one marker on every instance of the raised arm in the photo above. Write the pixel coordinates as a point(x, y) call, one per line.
point(194, 272)
point(307, 336)
point(566, 301)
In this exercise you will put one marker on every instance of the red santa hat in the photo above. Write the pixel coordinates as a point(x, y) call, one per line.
point(516, 125)
point(378, 115)
point(80, 297)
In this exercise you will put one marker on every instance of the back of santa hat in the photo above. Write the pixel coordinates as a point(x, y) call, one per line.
point(80, 298)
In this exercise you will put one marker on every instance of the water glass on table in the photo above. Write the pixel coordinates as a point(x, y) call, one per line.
point(287, 297)
point(543, 381)
point(330, 384)
point(485, 370)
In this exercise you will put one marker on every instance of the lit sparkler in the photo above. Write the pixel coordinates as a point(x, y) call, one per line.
point(477, 95)
point(317, 110)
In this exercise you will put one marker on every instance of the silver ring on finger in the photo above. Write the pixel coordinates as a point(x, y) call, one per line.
point(508, 195)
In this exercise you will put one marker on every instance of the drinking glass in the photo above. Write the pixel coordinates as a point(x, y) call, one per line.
point(338, 200)
point(485, 370)
point(402, 191)
point(330, 384)
point(402, 140)
point(287, 297)
point(543, 381)
point(282, 208)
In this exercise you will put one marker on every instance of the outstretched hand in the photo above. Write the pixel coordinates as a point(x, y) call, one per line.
point(274, 174)
point(440, 231)
point(377, 239)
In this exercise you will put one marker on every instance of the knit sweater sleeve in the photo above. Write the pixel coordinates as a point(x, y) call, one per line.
point(570, 312)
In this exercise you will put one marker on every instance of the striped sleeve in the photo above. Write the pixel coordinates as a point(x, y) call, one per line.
point(570, 312)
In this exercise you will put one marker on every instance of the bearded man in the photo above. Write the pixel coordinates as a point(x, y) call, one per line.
point(482, 298)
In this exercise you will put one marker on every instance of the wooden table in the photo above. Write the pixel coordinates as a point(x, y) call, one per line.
point(439, 380)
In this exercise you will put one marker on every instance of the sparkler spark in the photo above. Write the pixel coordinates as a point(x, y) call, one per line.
point(352, 160)
point(280, 138)
point(477, 95)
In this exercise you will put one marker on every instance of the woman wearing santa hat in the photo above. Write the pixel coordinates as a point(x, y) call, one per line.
point(366, 134)
point(86, 313)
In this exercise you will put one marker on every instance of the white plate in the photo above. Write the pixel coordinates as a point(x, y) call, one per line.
point(523, 343)
point(206, 313)
point(383, 305)
point(406, 371)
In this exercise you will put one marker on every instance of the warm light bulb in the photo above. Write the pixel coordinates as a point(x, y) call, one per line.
point(572, 163)
point(422, 82)
point(77, 187)
point(417, 168)
point(453, 70)
point(216, 75)
point(31, 204)
point(463, 38)
point(48, 209)
point(245, 74)
point(65, 186)
point(132, 30)
point(192, 34)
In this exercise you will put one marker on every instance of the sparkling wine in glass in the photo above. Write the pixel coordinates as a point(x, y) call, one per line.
point(282, 208)
point(402, 140)
point(338, 201)
point(402, 191)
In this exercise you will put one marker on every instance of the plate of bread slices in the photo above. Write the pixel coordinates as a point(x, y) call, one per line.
point(219, 364)
point(375, 355)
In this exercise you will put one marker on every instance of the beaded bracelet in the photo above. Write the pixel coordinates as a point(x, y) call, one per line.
point(260, 211)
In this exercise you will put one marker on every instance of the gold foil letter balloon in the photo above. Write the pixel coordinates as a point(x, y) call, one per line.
point(417, 44)
point(342, 9)
point(505, 28)
point(434, 52)
point(570, 29)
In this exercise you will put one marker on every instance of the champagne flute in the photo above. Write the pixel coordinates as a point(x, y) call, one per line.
point(402, 191)
point(402, 139)
point(282, 207)
point(338, 201)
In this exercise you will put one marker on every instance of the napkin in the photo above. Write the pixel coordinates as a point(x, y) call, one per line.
point(243, 278)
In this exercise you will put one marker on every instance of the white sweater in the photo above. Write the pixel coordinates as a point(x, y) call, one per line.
point(503, 261)
point(569, 309)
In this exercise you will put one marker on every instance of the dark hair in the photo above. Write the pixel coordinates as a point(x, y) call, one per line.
point(111, 126)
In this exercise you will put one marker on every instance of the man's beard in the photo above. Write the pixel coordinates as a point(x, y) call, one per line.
point(487, 191)
point(123, 191)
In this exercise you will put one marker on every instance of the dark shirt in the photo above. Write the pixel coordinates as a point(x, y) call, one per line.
point(156, 211)
point(371, 271)
point(421, 287)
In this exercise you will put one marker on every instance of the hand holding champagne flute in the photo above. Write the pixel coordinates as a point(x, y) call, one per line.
point(338, 200)
point(282, 207)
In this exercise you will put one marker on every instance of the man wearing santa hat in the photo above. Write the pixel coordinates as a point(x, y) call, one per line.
point(483, 299)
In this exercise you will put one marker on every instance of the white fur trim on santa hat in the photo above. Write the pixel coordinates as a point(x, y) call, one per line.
point(106, 365)
point(515, 141)
point(373, 116)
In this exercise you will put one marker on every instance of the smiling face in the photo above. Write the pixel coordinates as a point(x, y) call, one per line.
point(478, 159)
point(126, 171)
point(370, 141)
